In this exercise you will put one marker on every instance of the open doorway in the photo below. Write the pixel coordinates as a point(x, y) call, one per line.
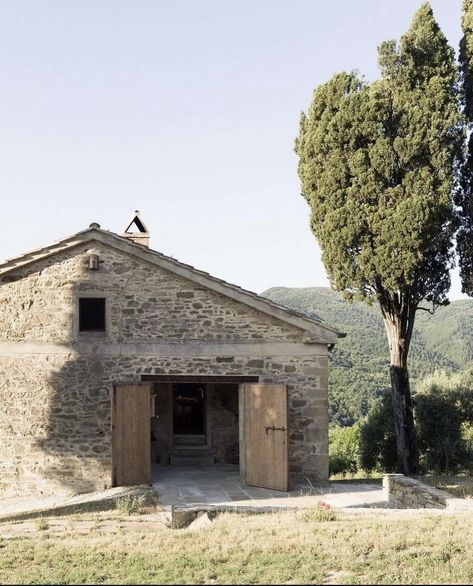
point(195, 423)
point(189, 414)
point(219, 411)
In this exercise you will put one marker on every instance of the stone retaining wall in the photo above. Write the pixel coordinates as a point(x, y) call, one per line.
point(404, 492)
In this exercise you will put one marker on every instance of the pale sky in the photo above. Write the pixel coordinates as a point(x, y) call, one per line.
point(186, 110)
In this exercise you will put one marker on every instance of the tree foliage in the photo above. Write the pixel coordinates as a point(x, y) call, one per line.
point(464, 197)
point(376, 167)
point(377, 164)
point(443, 408)
point(377, 438)
point(444, 412)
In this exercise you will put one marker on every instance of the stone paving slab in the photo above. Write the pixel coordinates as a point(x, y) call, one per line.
point(219, 486)
point(213, 486)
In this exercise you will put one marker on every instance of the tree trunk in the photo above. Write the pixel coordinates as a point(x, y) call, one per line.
point(399, 330)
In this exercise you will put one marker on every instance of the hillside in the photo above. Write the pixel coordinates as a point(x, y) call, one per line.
point(360, 362)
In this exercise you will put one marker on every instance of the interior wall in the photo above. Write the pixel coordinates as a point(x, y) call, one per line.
point(223, 421)
point(161, 424)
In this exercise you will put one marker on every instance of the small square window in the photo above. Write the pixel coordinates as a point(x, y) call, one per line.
point(92, 314)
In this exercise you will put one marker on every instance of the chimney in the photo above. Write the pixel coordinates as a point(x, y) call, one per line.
point(142, 235)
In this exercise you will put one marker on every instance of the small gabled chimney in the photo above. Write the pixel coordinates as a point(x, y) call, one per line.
point(142, 235)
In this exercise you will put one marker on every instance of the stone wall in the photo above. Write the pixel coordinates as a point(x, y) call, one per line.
point(403, 492)
point(145, 303)
point(55, 384)
point(54, 424)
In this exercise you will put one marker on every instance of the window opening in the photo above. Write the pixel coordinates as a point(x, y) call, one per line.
point(92, 314)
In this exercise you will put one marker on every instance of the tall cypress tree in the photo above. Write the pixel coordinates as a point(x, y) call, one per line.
point(377, 167)
point(465, 194)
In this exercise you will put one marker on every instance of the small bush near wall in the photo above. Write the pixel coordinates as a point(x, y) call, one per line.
point(344, 449)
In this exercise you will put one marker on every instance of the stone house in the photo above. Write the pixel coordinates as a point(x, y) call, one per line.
point(115, 358)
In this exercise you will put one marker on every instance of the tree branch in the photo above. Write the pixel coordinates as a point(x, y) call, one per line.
point(431, 311)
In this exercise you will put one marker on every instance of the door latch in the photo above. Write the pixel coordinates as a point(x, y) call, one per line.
point(272, 428)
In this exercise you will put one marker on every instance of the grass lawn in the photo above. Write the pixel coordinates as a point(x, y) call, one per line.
point(460, 486)
point(289, 548)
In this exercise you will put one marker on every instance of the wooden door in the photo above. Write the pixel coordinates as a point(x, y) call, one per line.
point(131, 435)
point(264, 435)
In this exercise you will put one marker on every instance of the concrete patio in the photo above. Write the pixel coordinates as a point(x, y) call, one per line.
point(219, 486)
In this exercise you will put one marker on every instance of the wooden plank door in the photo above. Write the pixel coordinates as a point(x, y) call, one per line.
point(264, 435)
point(131, 434)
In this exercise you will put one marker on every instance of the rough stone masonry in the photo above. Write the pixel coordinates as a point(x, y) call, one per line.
point(56, 382)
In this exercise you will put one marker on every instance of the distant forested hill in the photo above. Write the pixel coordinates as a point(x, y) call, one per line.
point(360, 362)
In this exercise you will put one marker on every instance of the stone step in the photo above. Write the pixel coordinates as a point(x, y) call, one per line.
point(191, 456)
point(177, 459)
point(181, 450)
point(190, 440)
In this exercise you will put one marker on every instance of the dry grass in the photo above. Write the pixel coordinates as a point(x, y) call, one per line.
point(255, 549)
point(359, 476)
point(42, 524)
point(459, 486)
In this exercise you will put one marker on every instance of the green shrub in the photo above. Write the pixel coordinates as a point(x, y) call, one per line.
point(443, 414)
point(344, 449)
point(467, 434)
point(377, 437)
